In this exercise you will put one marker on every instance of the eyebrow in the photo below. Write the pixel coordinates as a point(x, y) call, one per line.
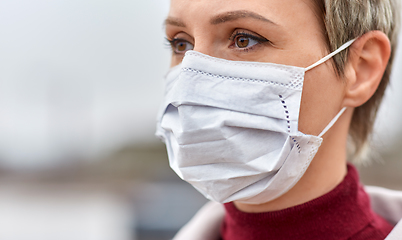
point(174, 21)
point(221, 18)
point(232, 16)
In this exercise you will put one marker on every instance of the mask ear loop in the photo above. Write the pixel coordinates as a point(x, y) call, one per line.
point(321, 61)
point(324, 59)
point(333, 121)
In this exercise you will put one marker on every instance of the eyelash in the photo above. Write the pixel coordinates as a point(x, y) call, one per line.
point(247, 35)
point(170, 43)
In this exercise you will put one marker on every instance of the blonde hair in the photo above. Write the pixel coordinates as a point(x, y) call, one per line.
point(344, 20)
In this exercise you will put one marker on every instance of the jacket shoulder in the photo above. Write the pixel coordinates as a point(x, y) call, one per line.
point(386, 203)
point(396, 233)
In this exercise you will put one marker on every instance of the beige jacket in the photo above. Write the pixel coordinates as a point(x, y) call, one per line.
point(206, 223)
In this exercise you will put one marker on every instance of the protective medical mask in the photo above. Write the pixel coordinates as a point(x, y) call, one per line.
point(231, 127)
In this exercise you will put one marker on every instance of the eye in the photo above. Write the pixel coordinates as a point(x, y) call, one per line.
point(180, 46)
point(245, 41)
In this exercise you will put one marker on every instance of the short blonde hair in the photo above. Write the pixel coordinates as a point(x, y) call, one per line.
point(344, 20)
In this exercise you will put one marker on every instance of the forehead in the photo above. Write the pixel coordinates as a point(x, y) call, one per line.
point(286, 12)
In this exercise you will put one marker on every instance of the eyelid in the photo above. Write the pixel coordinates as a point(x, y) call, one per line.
point(174, 41)
point(247, 34)
point(179, 35)
point(175, 33)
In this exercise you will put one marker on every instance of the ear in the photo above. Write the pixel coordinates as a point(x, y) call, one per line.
point(368, 58)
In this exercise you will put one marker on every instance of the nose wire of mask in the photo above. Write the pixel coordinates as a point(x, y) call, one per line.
point(231, 128)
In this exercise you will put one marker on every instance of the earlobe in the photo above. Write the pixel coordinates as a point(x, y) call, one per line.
point(368, 58)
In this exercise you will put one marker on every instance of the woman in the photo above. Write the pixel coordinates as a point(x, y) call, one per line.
point(260, 102)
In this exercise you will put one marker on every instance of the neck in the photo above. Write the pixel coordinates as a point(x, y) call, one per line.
point(326, 171)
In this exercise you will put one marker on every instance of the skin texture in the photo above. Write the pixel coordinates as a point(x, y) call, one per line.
point(295, 38)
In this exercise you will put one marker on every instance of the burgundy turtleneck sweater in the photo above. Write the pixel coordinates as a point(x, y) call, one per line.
point(342, 214)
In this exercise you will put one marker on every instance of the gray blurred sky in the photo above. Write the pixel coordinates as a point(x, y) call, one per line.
point(78, 78)
point(81, 78)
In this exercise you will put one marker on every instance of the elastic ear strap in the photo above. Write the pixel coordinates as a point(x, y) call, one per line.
point(333, 121)
point(324, 59)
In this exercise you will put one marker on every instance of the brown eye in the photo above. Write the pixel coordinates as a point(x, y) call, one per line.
point(245, 41)
point(181, 46)
point(242, 42)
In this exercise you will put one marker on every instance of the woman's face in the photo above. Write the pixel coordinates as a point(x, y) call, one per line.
point(278, 31)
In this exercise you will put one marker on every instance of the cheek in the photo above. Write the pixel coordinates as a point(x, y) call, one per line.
point(175, 60)
point(322, 98)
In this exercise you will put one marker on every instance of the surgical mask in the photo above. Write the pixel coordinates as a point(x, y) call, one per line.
point(231, 127)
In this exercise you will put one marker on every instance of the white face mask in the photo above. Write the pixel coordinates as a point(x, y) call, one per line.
point(231, 128)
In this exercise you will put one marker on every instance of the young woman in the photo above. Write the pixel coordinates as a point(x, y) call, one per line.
point(259, 104)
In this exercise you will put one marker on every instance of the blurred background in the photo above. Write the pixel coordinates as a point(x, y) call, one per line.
point(80, 86)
